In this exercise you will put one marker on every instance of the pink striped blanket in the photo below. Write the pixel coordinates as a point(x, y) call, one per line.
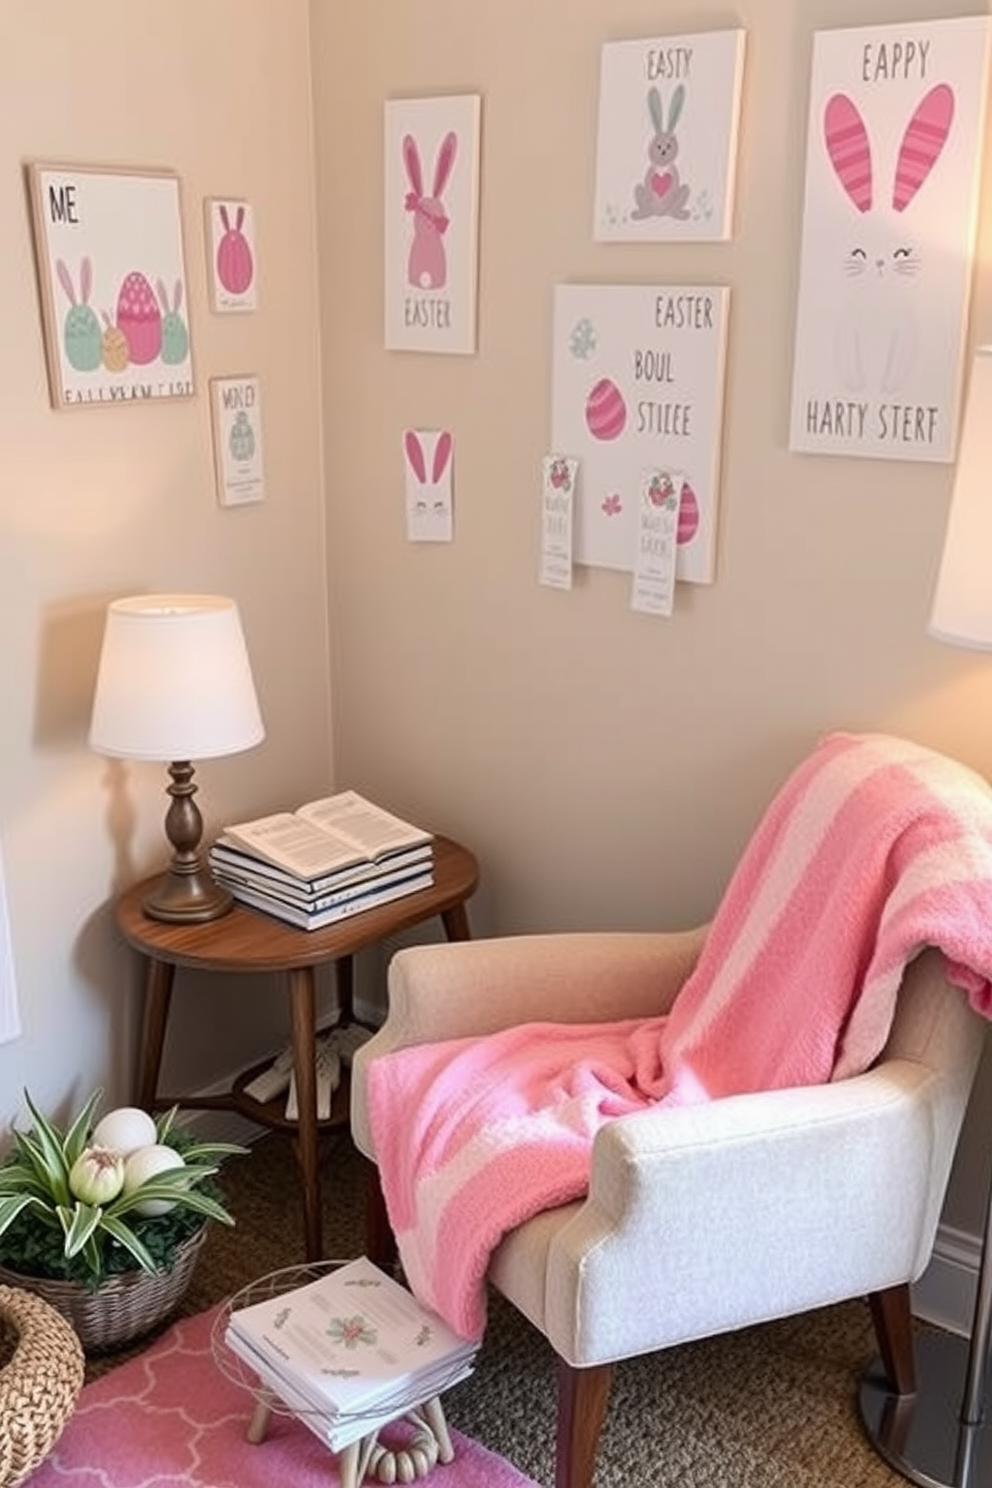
point(873, 849)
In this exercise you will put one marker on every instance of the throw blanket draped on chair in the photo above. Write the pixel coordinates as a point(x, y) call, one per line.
point(873, 849)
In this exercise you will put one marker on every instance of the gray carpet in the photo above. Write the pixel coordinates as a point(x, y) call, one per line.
point(769, 1407)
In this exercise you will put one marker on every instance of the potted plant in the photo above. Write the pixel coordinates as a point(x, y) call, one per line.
point(105, 1220)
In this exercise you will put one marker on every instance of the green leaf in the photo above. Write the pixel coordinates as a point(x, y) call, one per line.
point(165, 1122)
point(189, 1198)
point(78, 1136)
point(45, 1139)
point(126, 1237)
point(210, 1151)
point(79, 1223)
point(14, 1204)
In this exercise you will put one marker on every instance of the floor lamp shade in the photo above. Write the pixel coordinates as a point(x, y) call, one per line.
point(174, 685)
point(962, 603)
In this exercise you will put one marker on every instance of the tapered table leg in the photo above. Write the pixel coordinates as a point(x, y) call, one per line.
point(303, 1019)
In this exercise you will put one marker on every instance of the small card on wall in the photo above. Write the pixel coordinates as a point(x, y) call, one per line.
point(237, 420)
point(231, 246)
point(427, 464)
point(557, 490)
point(653, 589)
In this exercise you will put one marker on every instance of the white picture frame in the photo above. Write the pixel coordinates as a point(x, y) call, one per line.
point(893, 156)
point(431, 223)
point(638, 387)
point(112, 278)
point(666, 147)
point(232, 254)
point(236, 411)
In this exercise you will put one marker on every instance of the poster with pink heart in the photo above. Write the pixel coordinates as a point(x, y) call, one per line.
point(667, 144)
point(638, 387)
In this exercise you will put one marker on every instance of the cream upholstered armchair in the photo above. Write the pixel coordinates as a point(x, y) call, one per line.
point(702, 1219)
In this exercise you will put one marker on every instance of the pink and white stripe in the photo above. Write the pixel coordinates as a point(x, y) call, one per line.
point(874, 848)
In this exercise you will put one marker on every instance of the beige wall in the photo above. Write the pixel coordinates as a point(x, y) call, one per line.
point(606, 766)
point(100, 502)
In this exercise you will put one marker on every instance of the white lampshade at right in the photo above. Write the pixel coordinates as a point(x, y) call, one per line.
point(962, 602)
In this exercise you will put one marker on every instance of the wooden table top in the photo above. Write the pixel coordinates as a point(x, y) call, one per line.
point(247, 939)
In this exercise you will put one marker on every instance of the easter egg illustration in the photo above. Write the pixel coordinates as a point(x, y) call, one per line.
point(242, 439)
point(235, 266)
point(83, 339)
point(688, 515)
point(606, 412)
point(115, 352)
point(139, 317)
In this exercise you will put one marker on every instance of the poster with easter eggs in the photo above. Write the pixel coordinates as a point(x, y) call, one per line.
point(109, 246)
point(236, 408)
point(666, 148)
point(638, 378)
point(232, 261)
point(893, 172)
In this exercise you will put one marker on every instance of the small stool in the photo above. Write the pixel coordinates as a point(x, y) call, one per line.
point(39, 1384)
point(430, 1444)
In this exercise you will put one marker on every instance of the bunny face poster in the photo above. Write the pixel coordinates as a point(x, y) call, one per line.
point(431, 223)
point(896, 121)
point(113, 285)
point(667, 143)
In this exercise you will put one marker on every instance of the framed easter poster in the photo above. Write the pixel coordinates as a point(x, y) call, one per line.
point(638, 376)
point(893, 156)
point(236, 407)
point(666, 149)
point(431, 223)
point(231, 254)
point(111, 272)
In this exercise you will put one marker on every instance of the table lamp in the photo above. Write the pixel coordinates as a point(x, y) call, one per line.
point(937, 1437)
point(174, 684)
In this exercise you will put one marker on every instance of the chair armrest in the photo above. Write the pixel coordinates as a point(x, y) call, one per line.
point(746, 1208)
point(472, 987)
point(469, 988)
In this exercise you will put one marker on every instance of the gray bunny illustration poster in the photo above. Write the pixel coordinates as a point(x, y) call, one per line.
point(667, 144)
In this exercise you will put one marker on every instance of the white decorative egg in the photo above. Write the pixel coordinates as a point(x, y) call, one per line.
point(124, 1130)
point(146, 1162)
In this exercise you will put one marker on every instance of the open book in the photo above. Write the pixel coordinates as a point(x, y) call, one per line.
point(335, 833)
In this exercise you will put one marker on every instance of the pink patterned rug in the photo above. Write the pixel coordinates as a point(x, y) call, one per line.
point(171, 1417)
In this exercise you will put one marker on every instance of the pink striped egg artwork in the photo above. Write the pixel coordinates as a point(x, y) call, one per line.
point(606, 411)
point(139, 318)
point(688, 515)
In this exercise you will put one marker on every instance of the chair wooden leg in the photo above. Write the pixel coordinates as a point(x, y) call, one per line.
point(582, 1399)
point(380, 1242)
point(893, 1318)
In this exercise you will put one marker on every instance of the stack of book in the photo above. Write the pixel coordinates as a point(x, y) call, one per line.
point(349, 1352)
point(329, 859)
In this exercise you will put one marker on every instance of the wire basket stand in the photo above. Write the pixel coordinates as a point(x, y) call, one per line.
point(429, 1444)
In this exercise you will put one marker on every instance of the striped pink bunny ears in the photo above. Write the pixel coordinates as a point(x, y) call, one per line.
point(849, 147)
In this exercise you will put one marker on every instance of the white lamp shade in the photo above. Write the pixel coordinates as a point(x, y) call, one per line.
point(962, 604)
point(174, 681)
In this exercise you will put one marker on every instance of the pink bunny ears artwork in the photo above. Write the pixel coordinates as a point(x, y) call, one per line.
point(232, 254)
point(427, 464)
point(431, 223)
point(893, 168)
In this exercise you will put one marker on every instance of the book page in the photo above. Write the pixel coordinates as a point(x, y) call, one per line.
point(292, 842)
point(353, 818)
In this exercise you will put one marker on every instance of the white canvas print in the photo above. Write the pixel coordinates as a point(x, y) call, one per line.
point(667, 143)
point(896, 122)
point(638, 386)
point(427, 478)
point(431, 217)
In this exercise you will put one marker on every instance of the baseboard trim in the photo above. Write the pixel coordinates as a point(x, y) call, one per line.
point(945, 1293)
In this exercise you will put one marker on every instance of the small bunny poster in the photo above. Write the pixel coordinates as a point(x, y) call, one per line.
point(638, 391)
point(232, 254)
point(667, 145)
point(893, 156)
point(431, 223)
point(427, 467)
point(113, 284)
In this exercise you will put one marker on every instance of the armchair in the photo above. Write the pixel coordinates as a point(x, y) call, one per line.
point(711, 1217)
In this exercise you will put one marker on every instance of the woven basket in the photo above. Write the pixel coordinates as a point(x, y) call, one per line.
point(40, 1381)
point(122, 1307)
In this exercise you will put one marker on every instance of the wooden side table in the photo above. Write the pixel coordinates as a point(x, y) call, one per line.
point(246, 940)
